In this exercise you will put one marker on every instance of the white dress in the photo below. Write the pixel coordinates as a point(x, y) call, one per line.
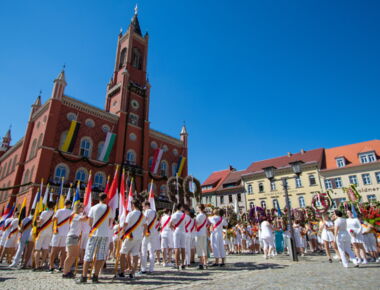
point(327, 235)
point(355, 230)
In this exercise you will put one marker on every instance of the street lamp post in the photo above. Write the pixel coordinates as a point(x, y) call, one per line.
point(269, 173)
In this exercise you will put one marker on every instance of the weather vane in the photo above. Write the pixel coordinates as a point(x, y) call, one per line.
point(136, 9)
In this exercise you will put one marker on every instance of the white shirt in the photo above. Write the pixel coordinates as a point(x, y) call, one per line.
point(341, 224)
point(214, 220)
point(176, 217)
point(75, 226)
point(96, 212)
point(266, 231)
point(150, 214)
point(85, 228)
point(200, 219)
point(131, 220)
point(44, 217)
point(167, 230)
point(354, 225)
point(61, 215)
point(26, 233)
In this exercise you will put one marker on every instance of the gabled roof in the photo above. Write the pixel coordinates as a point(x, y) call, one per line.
point(223, 177)
point(350, 153)
point(311, 156)
point(216, 177)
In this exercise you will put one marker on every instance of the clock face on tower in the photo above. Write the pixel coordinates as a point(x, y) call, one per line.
point(135, 104)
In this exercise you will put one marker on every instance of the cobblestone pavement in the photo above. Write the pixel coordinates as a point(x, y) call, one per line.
point(241, 272)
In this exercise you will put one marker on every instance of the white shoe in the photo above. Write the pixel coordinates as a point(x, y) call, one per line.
point(355, 261)
point(336, 257)
point(364, 262)
point(378, 260)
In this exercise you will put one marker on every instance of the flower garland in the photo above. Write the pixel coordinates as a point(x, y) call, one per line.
point(324, 203)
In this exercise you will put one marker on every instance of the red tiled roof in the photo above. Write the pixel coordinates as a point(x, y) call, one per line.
point(216, 178)
point(350, 153)
point(310, 156)
point(234, 176)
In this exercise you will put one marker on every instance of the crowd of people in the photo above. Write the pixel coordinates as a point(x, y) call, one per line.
point(66, 239)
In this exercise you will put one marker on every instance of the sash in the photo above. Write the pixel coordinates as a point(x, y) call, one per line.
point(129, 233)
point(217, 224)
point(12, 233)
point(202, 225)
point(180, 221)
point(187, 225)
point(194, 226)
point(7, 226)
point(150, 226)
point(100, 221)
point(40, 229)
point(62, 223)
point(24, 227)
point(157, 226)
point(166, 223)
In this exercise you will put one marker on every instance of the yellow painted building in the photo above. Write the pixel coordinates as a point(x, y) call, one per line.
point(264, 193)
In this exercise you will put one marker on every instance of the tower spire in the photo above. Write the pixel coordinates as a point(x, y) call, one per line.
point(59, 85)
point(135, 22)
point(5, 144)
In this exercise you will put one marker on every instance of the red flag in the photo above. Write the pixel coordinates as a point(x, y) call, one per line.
point(111, 194)
point(122, 201)
point(130, 197)
point(151, 197)
point(87, 195)
point(107, 185)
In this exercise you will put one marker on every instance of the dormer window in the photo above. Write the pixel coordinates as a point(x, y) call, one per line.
point(340, 162)
point(367, 157)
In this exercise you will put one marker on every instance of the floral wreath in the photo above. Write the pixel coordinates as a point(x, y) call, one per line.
point(325, 203)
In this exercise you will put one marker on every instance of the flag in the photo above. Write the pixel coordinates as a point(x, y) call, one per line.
point(130, 197)
point(156, 160)
point(51, 196)
point(45, 200)
point(181, 164)
point(36, 197)
point(122, 204)
point(111, 194)
point(151, 197)
point(236, 209)
point(353, 210)
point(107, 147)
point(87, 196)
point(71, 137)
point(22, 213)
point(68, 196)
point(38, 210)
point(76, 199)
point(279, 213)
point(61, 198)
point(6, 214)
point(107, 185)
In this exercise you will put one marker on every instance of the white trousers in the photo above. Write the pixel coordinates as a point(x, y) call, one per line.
point(343, 241)
point(20, 250)
point(217, 245)
point(148, 244)
point(187, 249)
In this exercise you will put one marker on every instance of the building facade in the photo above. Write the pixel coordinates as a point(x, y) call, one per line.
point(225, 189)
point(267, 194)
point(356, 164)
point(39, 155)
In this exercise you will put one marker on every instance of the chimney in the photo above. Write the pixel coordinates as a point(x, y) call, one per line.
point(289, 154)
point(302, 151)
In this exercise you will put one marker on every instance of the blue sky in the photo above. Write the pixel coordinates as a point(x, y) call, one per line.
point(252, 79)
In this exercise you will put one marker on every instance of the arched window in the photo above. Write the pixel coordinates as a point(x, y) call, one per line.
point(261, 187)
point(163, 191)
point(263, 204)
point(62, 139)
point(251, 205)
point(122, 57)
point(26, 176)
point(136, 58)
point(4, 170)
point(250, 189)
point(131, 157)
point(33, 149)
point(301, 201)
point(39, 144)
point(81, 175)
point(100, 148)
point(31, 174)
point(174, 168)
point(312, 179)
point(85, 147)
point(275, 203)
point(99, 180)
point(9, 167)
point(14, 162)
point(164, 168)
point(61, 170)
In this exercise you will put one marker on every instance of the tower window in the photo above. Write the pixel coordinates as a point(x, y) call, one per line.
point(122, 57)
point(136, 58)
point(131, 157)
